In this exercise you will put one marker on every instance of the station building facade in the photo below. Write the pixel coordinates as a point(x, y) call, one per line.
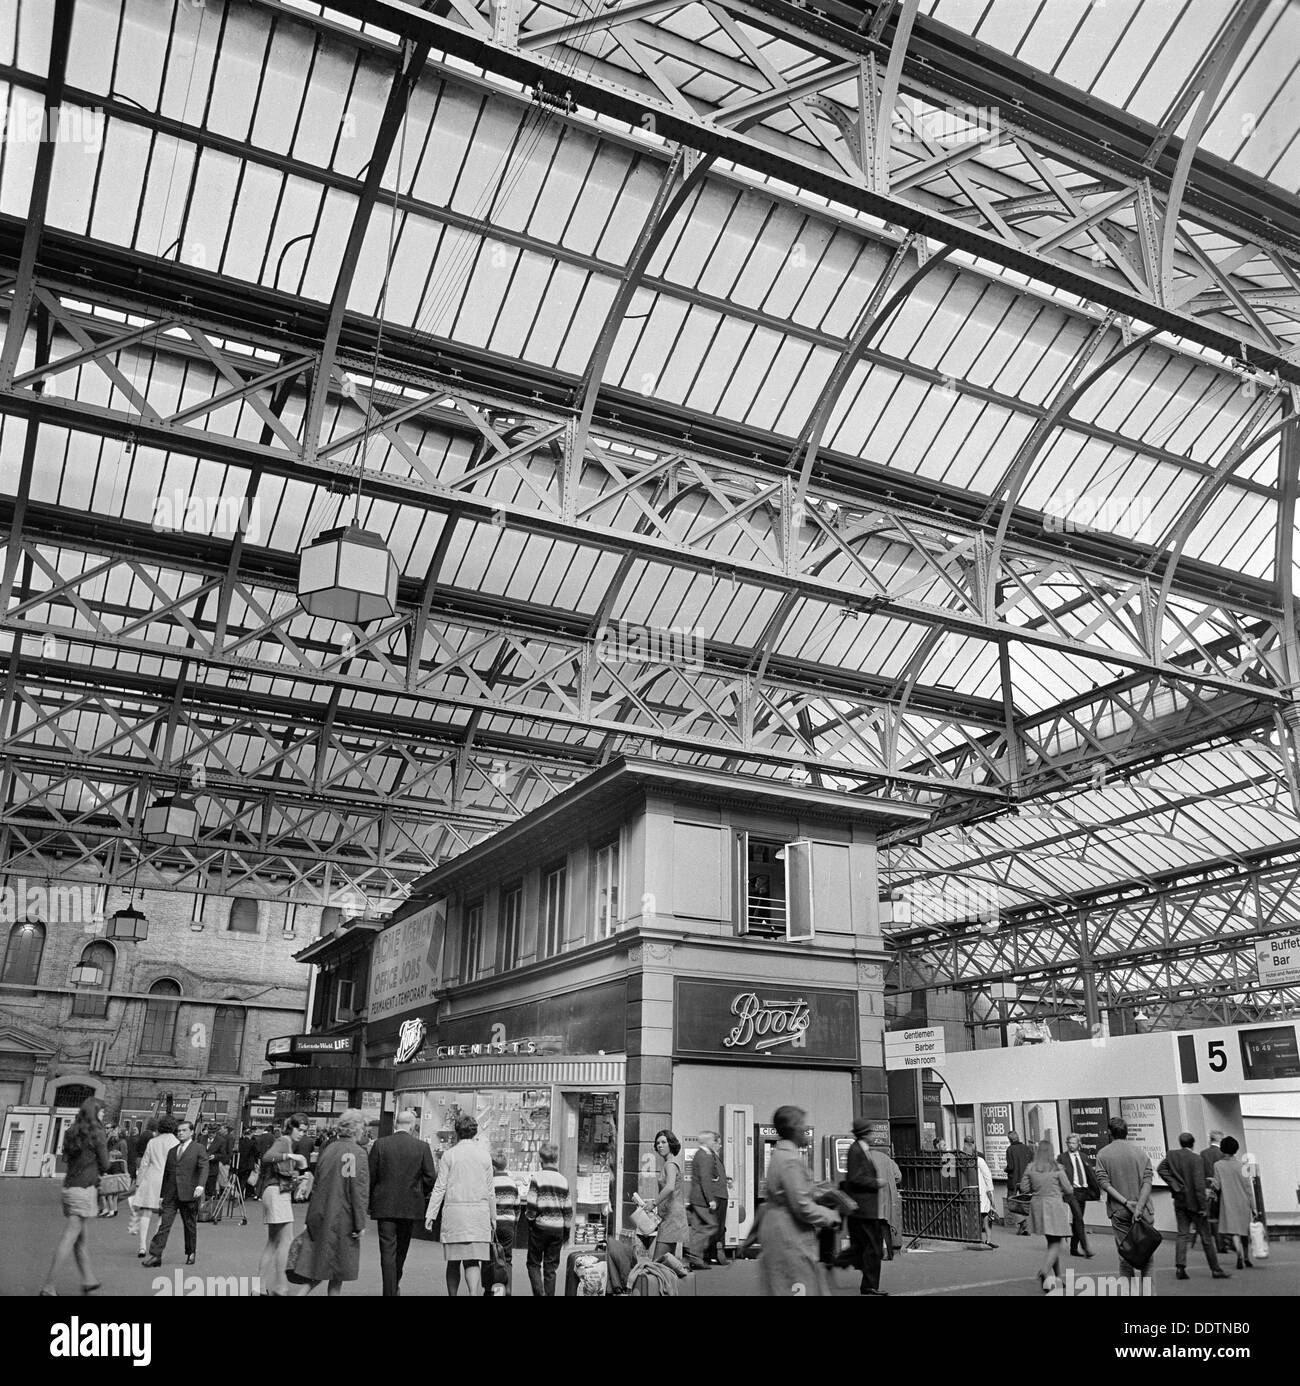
point(617, 962)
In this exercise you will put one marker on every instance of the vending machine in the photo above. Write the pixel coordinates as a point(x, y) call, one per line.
point(765, 1138)
point(835, 1158)
point(738, 1158)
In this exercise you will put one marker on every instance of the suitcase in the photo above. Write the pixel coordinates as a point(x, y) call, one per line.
point(572, 1272)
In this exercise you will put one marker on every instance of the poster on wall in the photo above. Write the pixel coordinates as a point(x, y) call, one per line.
point(1042, 1123)
point(1145, 1117)
point(405, 963)
point(1088, 1118)
point(997, 1121)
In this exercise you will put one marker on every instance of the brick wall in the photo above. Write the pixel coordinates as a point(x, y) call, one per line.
point(250, 974)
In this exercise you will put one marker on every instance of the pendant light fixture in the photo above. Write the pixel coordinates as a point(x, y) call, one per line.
point(130, 925)
point(171, 820)
point(347, 573)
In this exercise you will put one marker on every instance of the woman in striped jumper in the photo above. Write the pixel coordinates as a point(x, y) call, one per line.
point(549, 1211)
point(497, 1280)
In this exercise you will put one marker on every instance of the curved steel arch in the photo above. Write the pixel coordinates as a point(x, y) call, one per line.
point(1072, 389)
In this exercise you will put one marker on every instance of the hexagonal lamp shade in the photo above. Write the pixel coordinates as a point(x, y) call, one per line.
point(87, 975)
point(171, 821)
point(128, 926)
point(348, 575)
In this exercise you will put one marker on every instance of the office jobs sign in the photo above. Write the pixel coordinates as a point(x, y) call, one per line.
point(405, 963)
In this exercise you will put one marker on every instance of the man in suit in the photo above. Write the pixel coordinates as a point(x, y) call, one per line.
point(707, 1204)
point(1210, 1157)
point(1019, 1158)
point(1078, 1170)
point(184, 1175)
point(402, 1176)
point(868, 1224)
point(1184, 1171)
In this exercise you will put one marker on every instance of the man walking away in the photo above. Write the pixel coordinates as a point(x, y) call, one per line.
point(1019, 1158)
point(1078, 1170)
point(184, 1176)
point(707, 1205)
point(1125, 1176)
point(402, 1176)
point(867, 1226)
point(1210, 1157)
point(1184, 1171)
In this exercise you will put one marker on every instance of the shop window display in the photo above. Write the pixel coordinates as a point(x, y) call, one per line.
point(513, 1122)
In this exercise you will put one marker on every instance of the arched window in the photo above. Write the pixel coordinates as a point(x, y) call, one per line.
point(243, 917)
point(227, 1048)
point(72, 1095)
point(159, 1036)
point(22, 963)
point(91, 1002)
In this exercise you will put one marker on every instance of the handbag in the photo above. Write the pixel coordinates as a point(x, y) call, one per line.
point(299, 1249)
point(1015, 1206)
point(1258, 1240)
point(646, 1221)
point(302, 1187)
point(1139, 1244)
point(114, 1184)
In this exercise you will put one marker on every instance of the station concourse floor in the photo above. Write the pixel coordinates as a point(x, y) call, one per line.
point(30, 1214)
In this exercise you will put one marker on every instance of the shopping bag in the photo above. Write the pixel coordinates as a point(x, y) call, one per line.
point(1258, 1241)
point(1139, 1244)
point(646, 1221)
point(298, 1261)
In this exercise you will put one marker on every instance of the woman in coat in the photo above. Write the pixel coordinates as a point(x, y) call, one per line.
point(466, 1197)
point(670, 1202)
point(336, 1211)
point(788, 1263)
point(1049, 1213)
point(147, 1199)
point(1236, 1199)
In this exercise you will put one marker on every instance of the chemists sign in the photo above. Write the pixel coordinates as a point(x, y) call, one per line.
point(405, 963)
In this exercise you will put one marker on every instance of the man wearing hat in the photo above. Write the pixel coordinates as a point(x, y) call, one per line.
point(870, 1184)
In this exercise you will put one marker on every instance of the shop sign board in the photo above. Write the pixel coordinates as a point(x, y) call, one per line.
point(1277, 960)
point(922, 1048)
point(1215, 1060)
point(762, 1023)
point(1088, 1120)
point(997, 1121)
point(405, 963)
point(1145, 1119)
point(289, 1048)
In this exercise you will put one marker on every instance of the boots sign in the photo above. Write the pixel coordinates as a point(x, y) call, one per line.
point(764, 1023)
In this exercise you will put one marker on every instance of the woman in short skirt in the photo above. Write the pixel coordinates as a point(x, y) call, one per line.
point(86, 1155)
point(465, 1196)
point(275, 1179)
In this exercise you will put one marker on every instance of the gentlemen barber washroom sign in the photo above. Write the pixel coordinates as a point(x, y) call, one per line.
point(762, 1023)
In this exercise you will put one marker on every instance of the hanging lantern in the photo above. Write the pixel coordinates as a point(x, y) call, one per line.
point(348, 575)
point(128, 926)
point(87, 975)
point(171, 821)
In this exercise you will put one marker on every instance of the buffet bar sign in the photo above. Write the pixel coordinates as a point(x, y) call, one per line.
point(406, 962)
point(761, 1022)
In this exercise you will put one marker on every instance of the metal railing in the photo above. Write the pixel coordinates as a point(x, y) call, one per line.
point(940, 1195)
